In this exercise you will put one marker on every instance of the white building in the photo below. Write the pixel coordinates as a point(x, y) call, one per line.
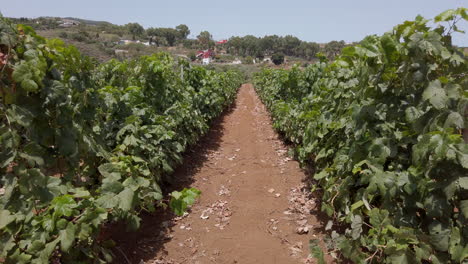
point(206, 61)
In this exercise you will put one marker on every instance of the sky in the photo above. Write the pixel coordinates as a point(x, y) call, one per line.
point(311, 20)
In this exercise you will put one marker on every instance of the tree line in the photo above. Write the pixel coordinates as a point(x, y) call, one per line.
point(255, 47)
point(259, 47)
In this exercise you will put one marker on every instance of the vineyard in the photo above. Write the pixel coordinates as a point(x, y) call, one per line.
point(380, 133)
point(382, 128)
point(83, 144)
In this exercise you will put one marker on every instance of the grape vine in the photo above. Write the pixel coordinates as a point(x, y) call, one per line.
point(382, 127)
point(84, 144)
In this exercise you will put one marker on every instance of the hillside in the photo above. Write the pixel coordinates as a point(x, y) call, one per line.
point(103, 40)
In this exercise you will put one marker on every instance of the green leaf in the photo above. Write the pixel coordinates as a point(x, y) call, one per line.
point(20, 115)
point(49, 248)
point(21, 258)
point(459, 253)
point(412, 114)
point(454, 119)
point(463, 181)
point(356, 205)
point(316, 251)
point(176, 195)
point(356, 226)
point(455, 249)
point(133, 222)
point(67, 237)
point(379, 218)
point(322, 174)
point(389, 46)
point(80, 193)
point(6, 218)
point(446, 16)
point(135, 183)
point(94, 216)
point(29, 85)
point(110, 170)
point(111, 185)
point(464, 208)
point(435, 95)
point(436, 205)
point(36, 246)
point(108, 201)
point(440, 235)
point(400, 257)
point(191, 195)
point(24, 74)
point(34, 152)
point(181, 200)
point(126, 199)
point(64, 205)
point(422, 252)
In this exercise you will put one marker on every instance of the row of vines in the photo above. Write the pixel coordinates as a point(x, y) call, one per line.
point(381, 129)
point(84, 144)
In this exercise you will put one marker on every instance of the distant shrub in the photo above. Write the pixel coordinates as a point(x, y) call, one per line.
point(248, 60)
point(224, 58)
point(135, 47)
point(63, 34)
point(81, 36)
point(277, 58)
point(192, 56)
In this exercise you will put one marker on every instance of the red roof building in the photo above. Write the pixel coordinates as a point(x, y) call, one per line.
point(205, 54)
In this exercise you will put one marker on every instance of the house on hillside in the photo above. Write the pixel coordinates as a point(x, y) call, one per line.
point(206, 56)
point(127, 41)
point(220, 48)
point(66, 23)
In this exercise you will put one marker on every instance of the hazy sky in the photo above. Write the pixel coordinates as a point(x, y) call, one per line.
point(311, 20)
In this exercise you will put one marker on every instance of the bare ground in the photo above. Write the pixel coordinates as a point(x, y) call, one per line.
point(254, 207)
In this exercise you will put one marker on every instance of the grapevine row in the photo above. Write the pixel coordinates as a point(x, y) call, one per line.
point(84, 144)
point(382, 129)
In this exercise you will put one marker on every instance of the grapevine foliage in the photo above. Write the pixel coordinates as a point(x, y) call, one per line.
point(383, 127)
point(83, 144)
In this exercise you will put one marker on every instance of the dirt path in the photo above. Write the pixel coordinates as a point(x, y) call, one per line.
point(253, 204)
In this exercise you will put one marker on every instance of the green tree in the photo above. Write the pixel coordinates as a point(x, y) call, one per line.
point(269, 44)
point(259, 55)
point(205, 39)
point(333, 48)
point(160, 41)
point(169, 35)
point(290, 45)
point(277, 58)
point(233, 46)
point(308, 50)
point(183, 31)
point(135, 29)
point(190, 43)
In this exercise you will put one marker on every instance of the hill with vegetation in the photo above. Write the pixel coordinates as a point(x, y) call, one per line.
point(103, 41)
